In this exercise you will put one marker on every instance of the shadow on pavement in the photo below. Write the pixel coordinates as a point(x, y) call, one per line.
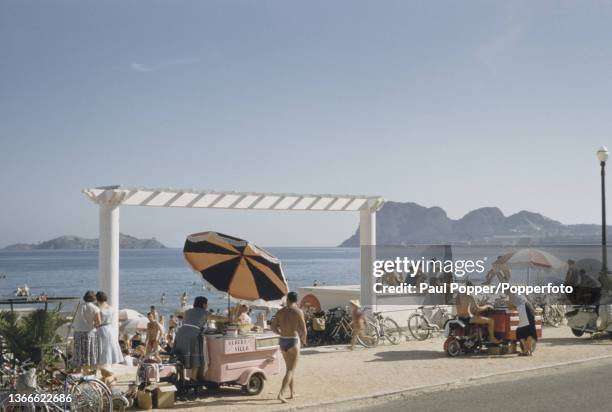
point(408, 355)
point(222, 396)
point(327, 349)
point(573, 341)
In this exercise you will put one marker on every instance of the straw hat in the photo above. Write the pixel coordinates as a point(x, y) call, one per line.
point(355, 302)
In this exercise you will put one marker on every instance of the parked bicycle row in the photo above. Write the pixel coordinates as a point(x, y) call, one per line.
point(337, 326)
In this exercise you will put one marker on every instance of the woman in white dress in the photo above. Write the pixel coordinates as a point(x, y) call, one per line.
point(109, 352)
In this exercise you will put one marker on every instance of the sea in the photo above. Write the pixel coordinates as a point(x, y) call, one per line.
point(145, 275)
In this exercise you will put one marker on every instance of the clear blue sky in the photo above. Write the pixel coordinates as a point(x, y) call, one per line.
point(455, 104)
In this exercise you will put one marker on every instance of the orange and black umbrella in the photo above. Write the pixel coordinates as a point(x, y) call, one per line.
point(236, 267)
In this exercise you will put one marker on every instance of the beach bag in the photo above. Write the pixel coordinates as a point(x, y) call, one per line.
point(318, 324)
point(148, 373)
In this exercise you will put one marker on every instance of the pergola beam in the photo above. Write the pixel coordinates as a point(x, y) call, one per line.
point(189, 198)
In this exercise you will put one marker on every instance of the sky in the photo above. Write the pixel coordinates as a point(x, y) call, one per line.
point(443, 103)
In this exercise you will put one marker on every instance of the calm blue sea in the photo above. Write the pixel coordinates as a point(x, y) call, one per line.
point(146, 274)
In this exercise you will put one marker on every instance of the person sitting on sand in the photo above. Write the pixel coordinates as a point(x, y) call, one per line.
point(170, 339)
point(468, 308)
point(136, 340)
point(290, 325)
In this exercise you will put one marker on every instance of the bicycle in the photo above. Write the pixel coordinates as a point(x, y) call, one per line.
point(422, 327)
point(340, 323)
point(380, 327)
point(61, 392)
point(553, 314)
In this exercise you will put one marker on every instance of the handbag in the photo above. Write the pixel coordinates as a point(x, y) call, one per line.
point(318, 324)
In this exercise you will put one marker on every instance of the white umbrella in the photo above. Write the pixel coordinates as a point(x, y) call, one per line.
point(125, 314)
point(131, 326)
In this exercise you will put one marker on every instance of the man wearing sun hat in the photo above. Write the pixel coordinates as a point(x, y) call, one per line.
point(357, 323)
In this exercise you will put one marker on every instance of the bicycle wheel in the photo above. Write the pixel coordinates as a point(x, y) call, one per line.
point(418, 327)
point(392, 331)
point(369, 337)
point(105, 393)
point(90, 396)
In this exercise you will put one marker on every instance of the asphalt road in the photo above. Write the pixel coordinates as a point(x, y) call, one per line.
point(573, 388)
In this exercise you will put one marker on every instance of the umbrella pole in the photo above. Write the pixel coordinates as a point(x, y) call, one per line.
point(528, 267)
point(228, 308)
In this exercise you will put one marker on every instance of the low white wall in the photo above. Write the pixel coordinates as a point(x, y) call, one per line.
point(398, 308)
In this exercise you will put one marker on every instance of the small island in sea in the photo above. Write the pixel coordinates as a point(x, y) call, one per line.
point(79, 243)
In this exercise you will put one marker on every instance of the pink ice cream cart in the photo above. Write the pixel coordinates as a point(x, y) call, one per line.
point(245, 360)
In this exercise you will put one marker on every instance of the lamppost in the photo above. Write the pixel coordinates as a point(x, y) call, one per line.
point(602, 155)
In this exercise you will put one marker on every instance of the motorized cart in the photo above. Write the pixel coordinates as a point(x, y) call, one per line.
point(464, 337)
point(244, 360)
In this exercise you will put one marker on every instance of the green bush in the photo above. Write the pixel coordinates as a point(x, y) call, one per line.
point(31, 336)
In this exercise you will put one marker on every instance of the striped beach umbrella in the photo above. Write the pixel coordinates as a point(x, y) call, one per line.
point(236, 267)
point(529, 258)
point(532, 259)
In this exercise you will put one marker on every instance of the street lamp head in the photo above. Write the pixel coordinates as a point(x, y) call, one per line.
point(602, 154)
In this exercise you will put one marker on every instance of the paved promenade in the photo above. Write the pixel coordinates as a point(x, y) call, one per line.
point(327, 375)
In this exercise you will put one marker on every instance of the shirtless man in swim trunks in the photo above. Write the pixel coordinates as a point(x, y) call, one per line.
point(290, 325)
point(468, 308)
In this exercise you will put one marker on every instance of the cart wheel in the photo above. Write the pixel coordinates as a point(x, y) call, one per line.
point(453, 347)
point(255, 385)
point(577, 332)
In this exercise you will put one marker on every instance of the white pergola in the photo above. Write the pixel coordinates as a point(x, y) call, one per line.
point(110, 198)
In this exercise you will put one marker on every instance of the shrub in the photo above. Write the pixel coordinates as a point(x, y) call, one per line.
point(31, 336)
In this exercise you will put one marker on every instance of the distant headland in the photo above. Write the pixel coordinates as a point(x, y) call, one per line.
point(410, 223)
point(79, 243)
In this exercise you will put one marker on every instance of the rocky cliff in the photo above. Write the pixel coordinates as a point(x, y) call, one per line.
point(410, 223)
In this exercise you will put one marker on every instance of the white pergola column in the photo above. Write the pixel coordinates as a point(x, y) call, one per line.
point(367, 243)
point(108, 258)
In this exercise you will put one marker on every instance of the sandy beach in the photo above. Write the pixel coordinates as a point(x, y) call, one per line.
point(334, 378)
